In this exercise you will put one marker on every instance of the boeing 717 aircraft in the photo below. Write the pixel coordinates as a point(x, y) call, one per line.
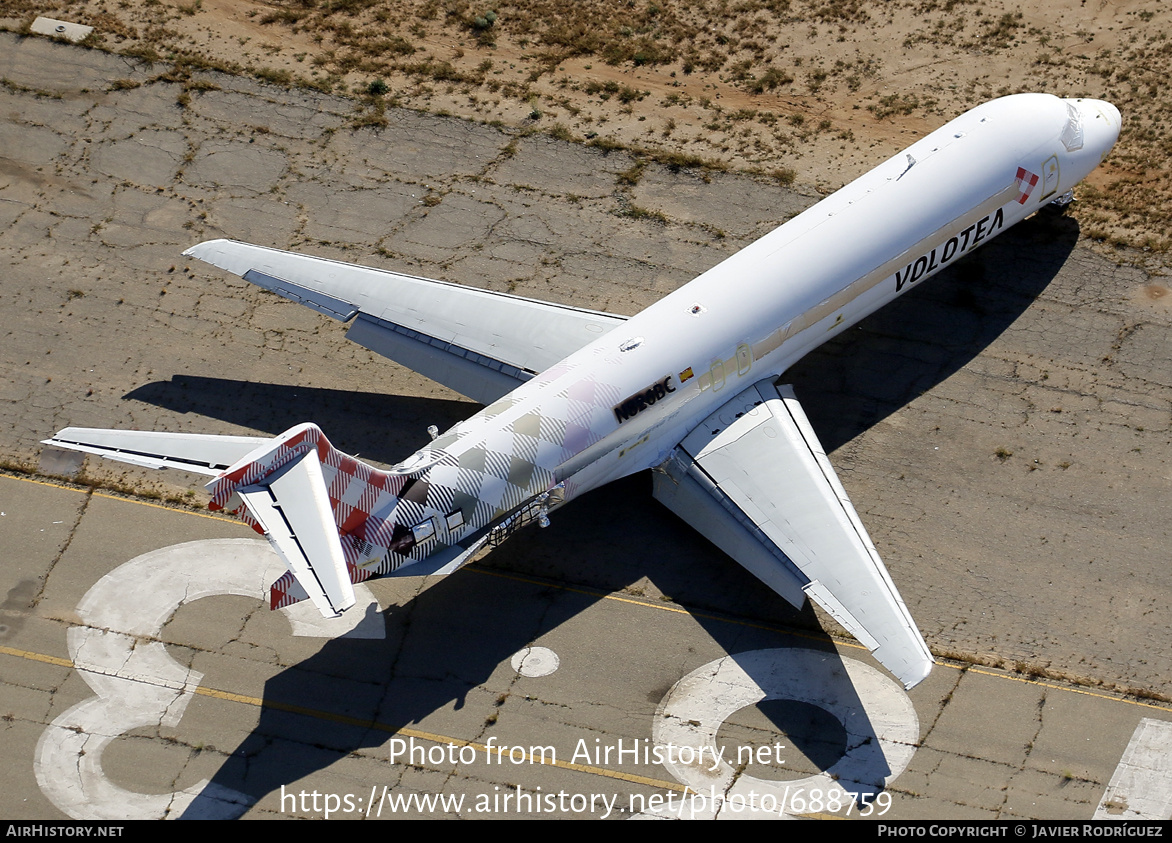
point(577, 398)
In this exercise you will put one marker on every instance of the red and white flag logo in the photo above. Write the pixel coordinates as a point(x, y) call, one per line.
point(1026, 181)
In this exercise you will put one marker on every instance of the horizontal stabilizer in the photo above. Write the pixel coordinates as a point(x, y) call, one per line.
point(275, 484)
point(201, 453)
point(754, 479)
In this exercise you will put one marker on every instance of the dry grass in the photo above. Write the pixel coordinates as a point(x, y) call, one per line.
point(842, 83)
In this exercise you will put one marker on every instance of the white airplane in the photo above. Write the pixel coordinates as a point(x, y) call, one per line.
point(578, 398)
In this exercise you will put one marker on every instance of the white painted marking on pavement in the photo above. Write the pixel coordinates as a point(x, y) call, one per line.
point(535, 662)
point(1141, 787)
point(879, 718)
point(137, 683)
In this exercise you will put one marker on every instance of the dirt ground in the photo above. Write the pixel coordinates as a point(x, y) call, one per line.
point(816, 92)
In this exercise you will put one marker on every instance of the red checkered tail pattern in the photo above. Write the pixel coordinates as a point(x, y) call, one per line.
point(314, 504)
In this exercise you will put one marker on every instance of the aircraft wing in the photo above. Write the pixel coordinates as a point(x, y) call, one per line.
point(755, 481)
point(480, 343)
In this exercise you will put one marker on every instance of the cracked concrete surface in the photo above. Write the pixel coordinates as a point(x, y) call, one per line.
point(988, 745)
point(1004, 432)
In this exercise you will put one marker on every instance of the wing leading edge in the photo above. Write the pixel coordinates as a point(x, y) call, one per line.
point(755, 481)
point(480, 343)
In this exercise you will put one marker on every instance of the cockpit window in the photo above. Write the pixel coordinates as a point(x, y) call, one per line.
point(1072, 131)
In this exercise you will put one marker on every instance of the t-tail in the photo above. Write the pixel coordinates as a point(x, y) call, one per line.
point(331, 517)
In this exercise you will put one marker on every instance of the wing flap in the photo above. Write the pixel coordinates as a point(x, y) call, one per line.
point(515, 337)
point(758, 455)
point(474, 375)
point(691, 494)
point(324, 304)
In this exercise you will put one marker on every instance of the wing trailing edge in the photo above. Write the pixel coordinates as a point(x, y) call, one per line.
point(481, 343)
point(754, 480)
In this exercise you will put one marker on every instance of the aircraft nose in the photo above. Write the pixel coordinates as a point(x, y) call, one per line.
point(1101, 122)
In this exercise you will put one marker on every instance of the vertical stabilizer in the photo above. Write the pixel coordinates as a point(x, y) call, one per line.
point(315, 504)
point(295, 489)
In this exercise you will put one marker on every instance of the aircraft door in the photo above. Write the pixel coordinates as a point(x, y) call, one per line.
point(1050, 178)
point(717, 372)
point(744, 359)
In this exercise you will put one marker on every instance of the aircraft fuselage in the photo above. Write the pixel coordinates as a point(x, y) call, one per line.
point(686, 386)
point(621, 404)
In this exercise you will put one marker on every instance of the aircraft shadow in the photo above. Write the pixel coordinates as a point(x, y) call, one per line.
point(424, 665)
point(444, 650)
point(440, 647)
point(913, 344)
point(378, 427)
